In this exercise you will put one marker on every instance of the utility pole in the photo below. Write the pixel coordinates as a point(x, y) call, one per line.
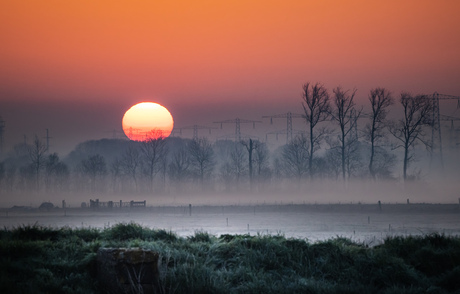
point(289, 115)
point(238, 122)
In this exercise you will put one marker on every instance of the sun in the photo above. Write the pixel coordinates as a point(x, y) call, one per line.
point(147, 120)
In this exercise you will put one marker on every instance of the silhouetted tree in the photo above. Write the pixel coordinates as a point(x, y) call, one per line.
point(251, 146)
point(333, 162)
point(234, 166)
point(261, 157)
point(380, 99)
point(317, 109)
point(37, 156)
point(94, 167)
point(295, 156)
point(56, 173)
point(237, 163)
point(153, 151)
point(409, 130)
point(117, 175)
point(130, 164)
point(384, 162)
point(179, 167)
point(346, 116)
point(202, 157)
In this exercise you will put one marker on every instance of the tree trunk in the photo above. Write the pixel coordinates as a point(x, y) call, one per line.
point(310, 156)
point(371, 161)
point(406, 155)
point(343, 157)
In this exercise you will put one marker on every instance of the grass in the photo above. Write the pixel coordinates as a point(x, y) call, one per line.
point(38, 259)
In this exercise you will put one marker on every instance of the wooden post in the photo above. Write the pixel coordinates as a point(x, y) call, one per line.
point(380, 206)
point(190, 209)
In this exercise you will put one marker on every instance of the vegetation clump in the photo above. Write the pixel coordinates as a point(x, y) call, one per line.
point(38, 259)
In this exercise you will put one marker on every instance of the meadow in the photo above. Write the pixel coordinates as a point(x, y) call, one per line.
point(38, 259)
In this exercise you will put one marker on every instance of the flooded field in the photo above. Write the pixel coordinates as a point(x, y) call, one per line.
point(362, 223)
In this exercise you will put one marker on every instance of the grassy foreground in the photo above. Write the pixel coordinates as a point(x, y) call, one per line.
point(37, 259)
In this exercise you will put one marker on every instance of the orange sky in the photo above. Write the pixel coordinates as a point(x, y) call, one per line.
point(205, 54)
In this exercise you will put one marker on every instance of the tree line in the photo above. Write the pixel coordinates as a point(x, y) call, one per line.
point(333, 147)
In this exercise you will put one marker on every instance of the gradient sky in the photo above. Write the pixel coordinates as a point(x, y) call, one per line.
point(75, 67)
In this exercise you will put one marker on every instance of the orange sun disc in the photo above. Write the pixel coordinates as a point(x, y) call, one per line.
point(147, 120)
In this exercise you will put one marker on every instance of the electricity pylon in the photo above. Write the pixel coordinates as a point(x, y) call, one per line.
point(195, 130)
point(237, 122)
point(289, 115)
point(436, 117)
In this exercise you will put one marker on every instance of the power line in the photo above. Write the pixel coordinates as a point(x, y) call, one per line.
point(289, 116)
point(238, 122)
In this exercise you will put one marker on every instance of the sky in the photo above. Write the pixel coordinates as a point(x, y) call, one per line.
point(75, 67)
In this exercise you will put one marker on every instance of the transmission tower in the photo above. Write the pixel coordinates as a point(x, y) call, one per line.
point(2, 130)
point(195, 129)
point(47, 140)
point(436, 117)
point(237, 122)
point(288, 117)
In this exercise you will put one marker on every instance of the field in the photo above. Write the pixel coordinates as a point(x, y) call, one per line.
point(311, 248)
point(365, 223)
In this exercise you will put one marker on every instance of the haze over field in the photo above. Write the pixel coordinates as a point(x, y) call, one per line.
point(74, 68)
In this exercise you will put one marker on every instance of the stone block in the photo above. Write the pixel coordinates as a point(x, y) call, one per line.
point(128, 270)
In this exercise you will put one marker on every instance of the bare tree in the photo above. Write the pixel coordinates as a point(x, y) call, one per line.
point(251, 146)
point(346, 116)
point(384, 162)
point(317, 109)
point(261, 161)
point(130, 164)
point(56, 173)
point(37, 156)
point(295, 155)
point(380, 100)
point(237, 159)
point(179, 167)
point(333, 163)
point(202, 156)
point(234, 167)
point(94, 167)
point(409, 130)
point(153, 151)
point(116, 172)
